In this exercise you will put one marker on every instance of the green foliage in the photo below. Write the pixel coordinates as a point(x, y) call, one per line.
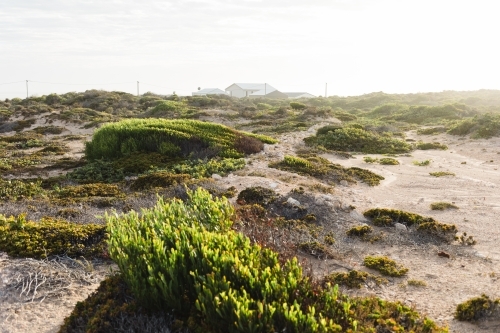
point(16, 189)
point(359, 231)
point(441, 173)
point(431, 145)
point(422, 163)
point(368, 159)
point(321, 168)
point(384, 217)
point(119, 139)
point(98, 171)
point(202, 169)
point(482, 126)
point(359, 140)
point(181, 256)
point(158, 179)
point(90, 190)
point(353, 279)
point(431, 130)
point(385, 266)
point(441, 205)
point(257, 195)
point(316, 249)
point(22, 238)
point(297, 106)
point(388, 161)
point(477, 308)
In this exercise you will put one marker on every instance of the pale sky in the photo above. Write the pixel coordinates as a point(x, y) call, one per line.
point(356, 46)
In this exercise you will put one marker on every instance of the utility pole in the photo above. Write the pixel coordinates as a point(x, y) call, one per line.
point(265, 89)
point(137, 88)
point(26, 88)
point(326, 90)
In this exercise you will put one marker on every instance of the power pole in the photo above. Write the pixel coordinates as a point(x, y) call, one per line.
point(137, 88)
point(326, 90)
point(265, 89)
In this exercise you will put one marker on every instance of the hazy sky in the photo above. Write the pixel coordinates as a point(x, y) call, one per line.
point(356, 46)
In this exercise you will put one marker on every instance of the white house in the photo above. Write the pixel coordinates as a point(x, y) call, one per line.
point(209, 91)
point(253, 90)
point(294, 95)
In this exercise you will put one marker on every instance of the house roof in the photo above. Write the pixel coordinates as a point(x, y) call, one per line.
point(297, 94)
point(209, 91)
point(254, 87)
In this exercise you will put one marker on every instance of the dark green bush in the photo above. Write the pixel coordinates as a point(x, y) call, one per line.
point(431, 145)
point(158, 179)
point(297, 106)
point(257, 195)
point(359, 140)
point(476, 308)
point(385, 266)
point(22, 238)
point(171, 137)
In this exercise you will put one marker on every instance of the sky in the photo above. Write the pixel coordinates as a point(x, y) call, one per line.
point(341, 47)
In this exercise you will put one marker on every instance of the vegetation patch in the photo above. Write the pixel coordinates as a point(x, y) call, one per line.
point(22, 238)
point(17, 189)
point(358, 140)
point(353, 279)
point(98, 171)
point(442, 205)
point(359, 231)
point(182, 257)
point(316, 249)
point(90, 190)
point(482, 126)
point(431, 130)
point(257, 195)
point(477, 308)
point(397, 216)
point(441, 173)
point(158, 179)
point(388, 161)
point(173, 138)
point(422, 163)
point(321, 168)
point(385, 266)
point(431, 145)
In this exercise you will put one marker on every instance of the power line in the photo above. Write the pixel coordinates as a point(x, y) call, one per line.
point(82, 84)
point(1, 84)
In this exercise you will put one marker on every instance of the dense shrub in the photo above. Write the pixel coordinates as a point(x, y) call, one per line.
point(385, 266)
point(17, 189)
point(257, 195)
point(476, 308)
point(158, 179)
point(360, 140)
point(90, 190)
point(297, 106)
point(431, 145)
point(480, 127)
point(19, 237)
point(173, 138)
point(98, 171)
point(182, 257)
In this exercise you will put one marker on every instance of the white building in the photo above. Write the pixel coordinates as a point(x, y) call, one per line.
point(209, 91)
point(253, 90)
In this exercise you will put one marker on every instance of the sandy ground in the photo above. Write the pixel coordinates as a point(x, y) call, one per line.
point(469, 272)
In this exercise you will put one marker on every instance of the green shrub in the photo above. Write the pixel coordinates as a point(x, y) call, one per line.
point(126, 137)
point(22, 238)
point(359, 140)
point(158, 179)
point(388, 161)
point(182, 257)
point(297, 106)
point(16, 189)
point(368, 159)
point(422, 163)
point(323, 169)
point(257, 195)
point(431, 130)
point(431, 145)
point(90, 190)
point(203, 169)
point(385, 266)
point(477, 308)
point(441, 205)
point(480, 127)
point(441, 173)
point(359, 231)
point(98, 171)
point(353, 279)
point(397, 216)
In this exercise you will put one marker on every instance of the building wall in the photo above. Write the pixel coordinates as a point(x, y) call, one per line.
point(238, 92)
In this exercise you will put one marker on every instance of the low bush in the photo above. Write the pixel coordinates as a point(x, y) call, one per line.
point(182, 257)
point(353, 279)
point(482, 126)
point(257, 195)
point(388, 161)
point(368, 159)
point(441, 173)
point(17, 189)
point(22, 238)
point(385, 266)
point(477, 308)
point(321, 168)
point(431, 130)
point(431, 145)
point(316, 249)
point(358, 140)
point(422, 163)
point(98, 171)
point(441, 205)
point(359, 231)
point(158, 179)
point(90, 190)
point(297, 106)
point(397, 216)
